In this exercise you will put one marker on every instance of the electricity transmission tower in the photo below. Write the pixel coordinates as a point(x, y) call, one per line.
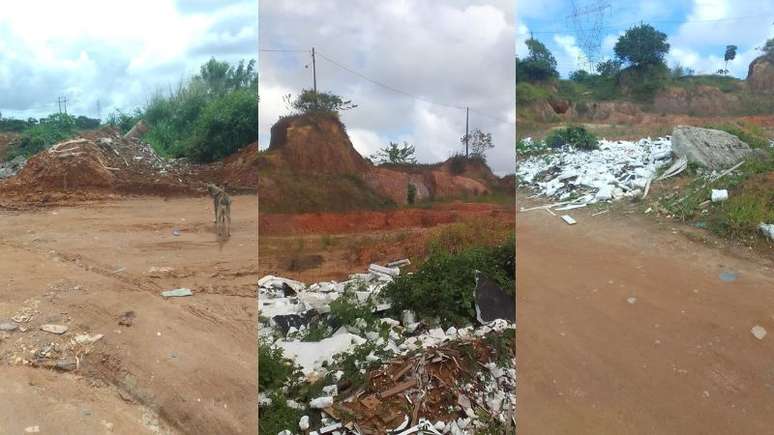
point(588, 20)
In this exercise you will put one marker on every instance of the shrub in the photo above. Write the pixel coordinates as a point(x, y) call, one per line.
point(227, 124)
point(443, 286)
point(411, 193)
point(278, 416)
point(576, 136)
point(527, 93)
point(46, 132)
point(275, 369)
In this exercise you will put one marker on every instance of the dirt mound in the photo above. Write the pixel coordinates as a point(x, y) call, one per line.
point(760, 75)
point(240, 170)
point(337, 177)
point(707, 100)
point(316, 144)
point(102, 163)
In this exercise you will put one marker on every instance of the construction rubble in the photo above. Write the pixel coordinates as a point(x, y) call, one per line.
point(618, 169)
point(415, 377)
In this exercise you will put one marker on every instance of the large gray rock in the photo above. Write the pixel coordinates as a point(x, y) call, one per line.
point(714, 149)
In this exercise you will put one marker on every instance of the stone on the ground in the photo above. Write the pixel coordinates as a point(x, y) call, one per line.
point(54, 329)
point(87, 339)
point(714, 149)
point(321, 402)
point(758, 331)
point(767, 230)
point(8, 326)
point(67, 364)
point(303, 424)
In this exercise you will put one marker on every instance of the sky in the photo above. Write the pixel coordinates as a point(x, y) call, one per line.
point(697, 30)
point(113, 54)
point(443, 53)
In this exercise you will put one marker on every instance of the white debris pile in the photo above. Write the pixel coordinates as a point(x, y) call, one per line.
point(617, 169)
point(290, 309)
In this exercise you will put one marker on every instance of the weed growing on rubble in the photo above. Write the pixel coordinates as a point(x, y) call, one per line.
point(278, 416)
point(346, 309)
point(444, 284)
point(274, 369)
point(576, 136)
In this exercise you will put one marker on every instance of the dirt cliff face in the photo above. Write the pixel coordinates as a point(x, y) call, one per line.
point(311, 160)
point(705, 100)
point(316, 144)
point(760, 75)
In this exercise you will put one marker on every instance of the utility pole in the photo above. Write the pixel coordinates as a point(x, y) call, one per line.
point(59, 104)
point(64, 100)
point(314, 72)
point(467, 136)
point(99, 111)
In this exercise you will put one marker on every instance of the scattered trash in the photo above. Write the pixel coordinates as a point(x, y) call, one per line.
point(719, 195)
point(728, 276)
point(32, 429)
point(767, 230)
point(632, 300)
point(177, 293)
point(758, 331)
point(175, 232)
point(492, 302)
point(303, 424)
point(54, 329)
point(568, 219)
point(399, 263)
point(321, 402)
point(677, 167)
point(87, 339)
point(600, 212)
point(126, 318)
point(616, 170)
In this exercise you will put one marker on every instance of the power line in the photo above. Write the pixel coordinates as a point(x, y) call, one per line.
point(405, 93)
point(623, 26)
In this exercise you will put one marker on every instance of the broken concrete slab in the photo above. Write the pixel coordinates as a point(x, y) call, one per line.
point(492, 302)
point(177, 293)
point(54, 329)
point(389, 271)
point(8, 326)
point(714, 149)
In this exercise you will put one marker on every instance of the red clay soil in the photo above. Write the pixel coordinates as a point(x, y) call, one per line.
point(338, 223)
point(240, 170)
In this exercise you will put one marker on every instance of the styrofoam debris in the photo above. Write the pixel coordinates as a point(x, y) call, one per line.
point(617, 169)
point(389, 271)
point(568, 219)
point(719, 195)
point(767, 230)
point(321, 402)
point(177, 293)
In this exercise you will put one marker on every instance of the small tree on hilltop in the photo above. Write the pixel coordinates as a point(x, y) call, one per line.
point(642, 46)
point(310, 101)
point(768, 48)
point(395, 153)
point(539, 65)
point(729, 55)
point(478, 142)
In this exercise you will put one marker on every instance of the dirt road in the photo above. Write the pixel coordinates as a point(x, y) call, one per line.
point(185, 365)
point(677, 359)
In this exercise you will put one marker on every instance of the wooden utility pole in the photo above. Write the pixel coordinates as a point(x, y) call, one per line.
point(314, 79)
point(467, 136)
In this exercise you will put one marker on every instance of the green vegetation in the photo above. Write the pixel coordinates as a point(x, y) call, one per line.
point(749, 133)
point(311, 102)
point(478, 142)
point(275, 370)
point(41, 134)
point(278, 416)
point(443, 285)
point(642, 46)
point(411, 193)
point(395, 154)
point(212, 115)
point(346, 309)
point(539, 65)
point(576, 136)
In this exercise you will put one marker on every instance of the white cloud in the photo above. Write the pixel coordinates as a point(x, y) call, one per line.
point(116, 53)
point(454, 52)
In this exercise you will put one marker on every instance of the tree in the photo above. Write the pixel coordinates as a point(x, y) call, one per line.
point(609, 68)
point(730, 55)
point(580, 76)
point(395, 153)
point(768, 48)
point(642, 46)
point(310, 101)
point(539, 65)
point(478, 142)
